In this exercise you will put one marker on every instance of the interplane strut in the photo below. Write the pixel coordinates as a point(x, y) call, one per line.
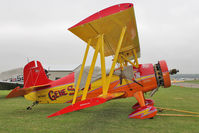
point(105, 80)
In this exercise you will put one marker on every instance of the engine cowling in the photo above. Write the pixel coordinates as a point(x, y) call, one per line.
point(162, 74)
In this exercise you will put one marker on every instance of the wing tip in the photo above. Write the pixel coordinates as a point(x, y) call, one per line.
point(103, 13)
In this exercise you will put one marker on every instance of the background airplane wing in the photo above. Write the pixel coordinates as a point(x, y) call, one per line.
point(5, 85)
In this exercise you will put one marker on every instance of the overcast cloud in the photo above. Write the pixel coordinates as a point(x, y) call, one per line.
point(37, 29)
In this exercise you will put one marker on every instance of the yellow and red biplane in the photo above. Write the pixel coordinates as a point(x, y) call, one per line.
point(111, 32)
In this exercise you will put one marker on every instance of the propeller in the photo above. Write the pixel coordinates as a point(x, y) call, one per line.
point(173, 71)
point(153, 92)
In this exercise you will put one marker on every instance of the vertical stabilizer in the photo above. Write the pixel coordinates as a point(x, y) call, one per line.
point(34, 74)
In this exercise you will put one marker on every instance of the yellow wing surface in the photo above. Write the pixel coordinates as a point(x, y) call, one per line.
point(110, 22)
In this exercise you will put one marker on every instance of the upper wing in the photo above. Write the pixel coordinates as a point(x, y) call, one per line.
point(110, 22)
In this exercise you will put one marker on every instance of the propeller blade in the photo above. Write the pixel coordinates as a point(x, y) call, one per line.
point(153, 92)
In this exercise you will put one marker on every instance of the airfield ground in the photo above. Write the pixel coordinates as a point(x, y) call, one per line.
point(187, 84)
point(108, 117)
point(193, 81)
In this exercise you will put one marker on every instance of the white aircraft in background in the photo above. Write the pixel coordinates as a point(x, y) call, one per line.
point(12, 82)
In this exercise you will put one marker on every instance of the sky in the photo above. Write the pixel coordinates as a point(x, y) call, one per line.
point(37, 30)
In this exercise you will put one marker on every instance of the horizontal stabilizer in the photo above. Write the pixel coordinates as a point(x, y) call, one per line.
point(16, 92)
point(80, 105)
point(23, 91)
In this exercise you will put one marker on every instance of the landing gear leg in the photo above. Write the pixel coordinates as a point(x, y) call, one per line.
point(33, 104)
point(143, 111)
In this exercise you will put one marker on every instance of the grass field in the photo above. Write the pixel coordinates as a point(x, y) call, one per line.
point(193, 81)
point(106, 118)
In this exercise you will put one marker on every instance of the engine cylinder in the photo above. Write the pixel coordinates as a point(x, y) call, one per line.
point(162, 74)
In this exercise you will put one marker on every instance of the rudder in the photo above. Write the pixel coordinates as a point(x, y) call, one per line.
point(34, 75)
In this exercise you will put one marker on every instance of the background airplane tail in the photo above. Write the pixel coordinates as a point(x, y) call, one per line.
point(34, 75)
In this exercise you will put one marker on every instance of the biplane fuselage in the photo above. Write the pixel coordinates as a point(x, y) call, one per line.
point(62, 90)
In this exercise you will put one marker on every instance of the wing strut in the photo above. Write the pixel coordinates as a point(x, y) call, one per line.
point(105, 81)
point(90, 73)
point(135, 63)
point(105, 90)
point(103, 67)
point(81, 71)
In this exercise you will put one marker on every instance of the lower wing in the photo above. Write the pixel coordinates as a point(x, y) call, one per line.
point(88, 103)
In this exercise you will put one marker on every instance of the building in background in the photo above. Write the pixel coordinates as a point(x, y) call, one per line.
point(57, 74)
